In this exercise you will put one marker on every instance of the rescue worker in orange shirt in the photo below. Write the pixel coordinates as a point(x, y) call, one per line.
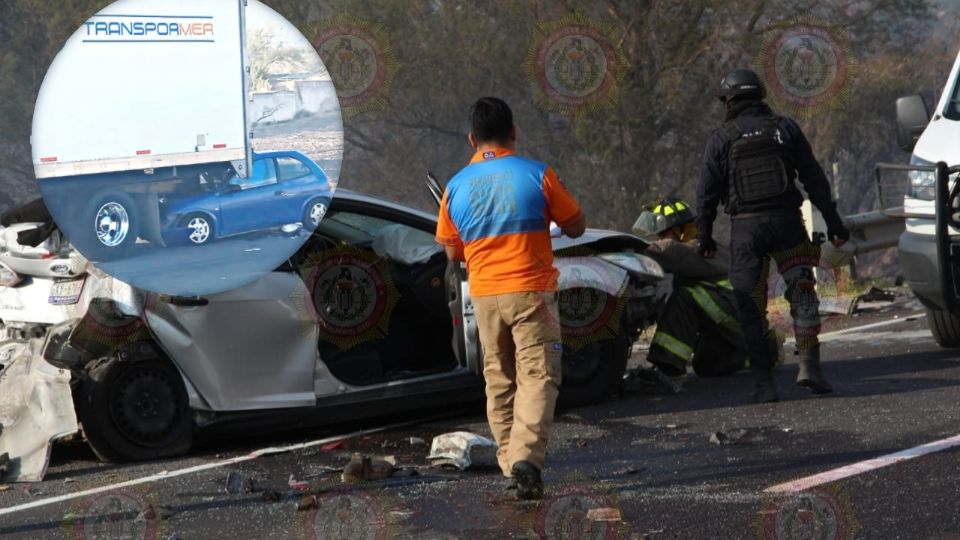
point(495, 214)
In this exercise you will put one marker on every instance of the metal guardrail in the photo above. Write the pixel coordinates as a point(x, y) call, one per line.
point(892, 188)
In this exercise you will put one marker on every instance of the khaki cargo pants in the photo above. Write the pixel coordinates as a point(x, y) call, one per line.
point(520, 334)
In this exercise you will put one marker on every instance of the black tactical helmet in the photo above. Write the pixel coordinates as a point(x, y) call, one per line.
point(662, 216)
point(741, 83)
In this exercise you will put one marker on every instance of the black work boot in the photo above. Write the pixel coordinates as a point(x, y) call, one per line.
point(765, 389)
point(810, 374)
point(529, 483)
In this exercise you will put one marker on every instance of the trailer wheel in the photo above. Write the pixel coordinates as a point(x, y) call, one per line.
point(109, 227)
point(945, 327)
point(134, 411)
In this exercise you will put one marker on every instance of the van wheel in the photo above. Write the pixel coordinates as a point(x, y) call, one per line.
point(135, 411)
point(945, 327)
point(594, 372)
point(109, 227)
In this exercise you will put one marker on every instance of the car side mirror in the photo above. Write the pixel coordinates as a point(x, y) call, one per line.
point(913, 115)
point(232, 188)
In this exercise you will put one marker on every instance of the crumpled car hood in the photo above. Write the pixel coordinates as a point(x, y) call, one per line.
point(601, 240)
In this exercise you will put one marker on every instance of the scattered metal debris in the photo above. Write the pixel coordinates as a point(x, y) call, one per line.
point(365, 469)
point(238, 483)
point(462, 449)
point(298, 485)
point(307, 503)
point(732, 436)
point(417, 440)
point(877, 295)
point(604, 514)
point(268, 495)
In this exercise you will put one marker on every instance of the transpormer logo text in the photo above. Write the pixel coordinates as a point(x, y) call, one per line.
point(126, 28)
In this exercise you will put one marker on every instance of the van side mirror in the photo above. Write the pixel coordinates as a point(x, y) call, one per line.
point(912, 118)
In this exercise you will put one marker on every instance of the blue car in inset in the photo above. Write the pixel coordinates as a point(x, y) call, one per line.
point(284, 188)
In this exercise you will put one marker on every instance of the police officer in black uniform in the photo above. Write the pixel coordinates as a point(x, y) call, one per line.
point(751, 165)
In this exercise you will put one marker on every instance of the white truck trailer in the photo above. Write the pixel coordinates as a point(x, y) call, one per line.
point(146, 96)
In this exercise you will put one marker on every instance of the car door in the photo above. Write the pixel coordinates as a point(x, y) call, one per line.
point(252, 203)
point(297, 186)
point(466, 335)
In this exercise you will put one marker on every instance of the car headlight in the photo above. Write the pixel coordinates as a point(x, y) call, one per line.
point(920, 184)
point(8, 278)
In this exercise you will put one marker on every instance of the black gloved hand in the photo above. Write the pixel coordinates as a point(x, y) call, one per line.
point(707, 245)
point(838, 232)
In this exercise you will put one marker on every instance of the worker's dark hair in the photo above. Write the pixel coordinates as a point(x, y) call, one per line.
point(491, 120)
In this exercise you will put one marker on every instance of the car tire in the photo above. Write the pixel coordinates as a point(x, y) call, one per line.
point(201, 229)
point(314, 212)
point(109, 227)
point(594, 372)
point(134, 411)
point(945, 327)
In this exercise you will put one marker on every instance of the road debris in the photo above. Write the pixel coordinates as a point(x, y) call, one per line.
point(877, 295)
point(330, 447)
point(365, 469)
point(604, 514)
point(269, 495)
point(298, 485)
point(237, 484)
point(462, 449)
point(417, 440)
point(650, 381)
point(732, 436)
point(307, 503)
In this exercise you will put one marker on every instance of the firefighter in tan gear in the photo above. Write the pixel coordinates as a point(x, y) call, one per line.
point(698, 321)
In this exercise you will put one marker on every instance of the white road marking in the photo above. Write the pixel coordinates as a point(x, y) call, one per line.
point(829, 336)
point(861, 467)
point(165, 475)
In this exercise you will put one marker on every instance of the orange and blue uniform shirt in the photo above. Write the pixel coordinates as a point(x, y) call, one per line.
point(499, 208)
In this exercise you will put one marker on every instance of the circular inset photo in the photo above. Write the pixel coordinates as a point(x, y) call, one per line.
point(187, 147)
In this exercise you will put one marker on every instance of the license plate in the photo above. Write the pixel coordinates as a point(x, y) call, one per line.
point(65, 293)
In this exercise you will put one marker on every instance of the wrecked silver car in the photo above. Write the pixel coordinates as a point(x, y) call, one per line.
point(367, 317)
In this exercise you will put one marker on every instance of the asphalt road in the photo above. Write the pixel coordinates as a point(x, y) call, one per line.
point(647, 459)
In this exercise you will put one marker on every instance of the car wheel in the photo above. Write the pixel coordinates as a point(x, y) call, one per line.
point(945, 327)
point(109, 227)
point(594, 371)
point(201, 229)
point(314, 214)
point(135, 411)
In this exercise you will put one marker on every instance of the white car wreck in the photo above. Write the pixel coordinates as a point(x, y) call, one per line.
point(367, 317)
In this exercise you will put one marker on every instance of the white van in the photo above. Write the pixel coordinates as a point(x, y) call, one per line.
point(932, 234)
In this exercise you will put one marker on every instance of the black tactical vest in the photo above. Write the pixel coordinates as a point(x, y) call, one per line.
point(755, 163)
